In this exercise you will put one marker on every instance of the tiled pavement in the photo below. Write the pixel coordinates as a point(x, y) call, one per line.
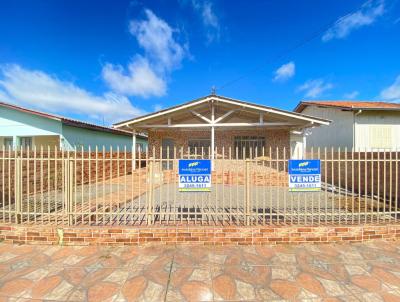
point(328, 272)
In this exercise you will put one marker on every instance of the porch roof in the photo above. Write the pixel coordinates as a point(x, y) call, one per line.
point(219, 111)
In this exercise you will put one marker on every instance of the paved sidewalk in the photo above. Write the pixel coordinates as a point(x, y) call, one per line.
point(328, 272)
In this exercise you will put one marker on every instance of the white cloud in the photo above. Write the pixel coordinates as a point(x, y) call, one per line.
point(39, 90)
point(351, 95)
point(146, 75)
point(366, 15)
point(392, 93)
point(157, 107)
point(209, 19)
point(285, 72)
point(156, 37)
point(140, 80)
point(315, 88)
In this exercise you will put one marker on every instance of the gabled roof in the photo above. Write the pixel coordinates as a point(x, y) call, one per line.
point(65, 120)
point(349, 105)
point(225, 100)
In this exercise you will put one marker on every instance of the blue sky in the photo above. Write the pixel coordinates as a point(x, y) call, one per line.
point(112, 60)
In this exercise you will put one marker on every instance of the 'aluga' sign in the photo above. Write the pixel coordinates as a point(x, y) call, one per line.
point(194, 175)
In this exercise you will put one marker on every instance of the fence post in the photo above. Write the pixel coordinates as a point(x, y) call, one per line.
point(149, 202)
point(68, 185)
point(71, 190)
point(18, 189)
point(247, 192)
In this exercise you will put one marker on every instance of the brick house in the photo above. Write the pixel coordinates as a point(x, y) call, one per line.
point(214, 123)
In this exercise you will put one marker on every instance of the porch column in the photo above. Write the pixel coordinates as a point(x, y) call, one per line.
point(212, 146)
point(15, 143)
point(134, 148)
point(212, 136)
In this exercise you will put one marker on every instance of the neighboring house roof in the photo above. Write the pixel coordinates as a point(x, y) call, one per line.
point(349, 105)
point(68, 121)
point(222, 99)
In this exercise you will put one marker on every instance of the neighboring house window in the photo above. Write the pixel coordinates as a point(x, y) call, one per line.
point(26, 142)
point(380, 136)
point(199, 146)
point(140, 147)
point(249, 146)
point(8, 142)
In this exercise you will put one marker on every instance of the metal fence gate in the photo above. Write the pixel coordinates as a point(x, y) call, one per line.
point(116, 187)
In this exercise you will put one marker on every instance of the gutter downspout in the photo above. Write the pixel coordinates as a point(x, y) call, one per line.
point(354, 127)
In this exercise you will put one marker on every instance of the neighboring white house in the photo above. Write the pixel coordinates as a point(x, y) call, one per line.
point(28, 128)
point(364, 126)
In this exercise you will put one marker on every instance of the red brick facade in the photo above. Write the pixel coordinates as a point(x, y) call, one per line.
point(223, 139)
point(201, 235)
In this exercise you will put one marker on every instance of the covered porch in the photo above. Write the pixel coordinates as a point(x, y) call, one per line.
point(219, 127)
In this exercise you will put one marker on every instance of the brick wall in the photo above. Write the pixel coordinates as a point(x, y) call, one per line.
point(201, 235)
point(223, 138)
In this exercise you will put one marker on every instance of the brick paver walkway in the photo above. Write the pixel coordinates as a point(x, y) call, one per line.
point(329, 272)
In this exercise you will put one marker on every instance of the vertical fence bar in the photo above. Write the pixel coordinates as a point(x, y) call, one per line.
point(150, 191)
point(396, 199)
point(3, 193)
point(384, 195)
point(229, 183)
point(247, 191)
point(345, 184)
point(366, 186)
point(390, 184)
point(96, 201)
point(17, 183)
point(312, 197)
point(118, 216)
point(359, 185)
point(125, 185)
point(42, 210)
point(339, 183)
point(319, 195)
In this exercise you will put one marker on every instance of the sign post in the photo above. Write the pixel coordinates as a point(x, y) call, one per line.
point(194, 175)
point(304, 175)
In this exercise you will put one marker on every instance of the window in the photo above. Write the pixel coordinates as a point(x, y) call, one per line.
point(380, 136)
point(26, 142)
point(8, 142)
point(199, 146)
point(140, 147)
point(249, 146)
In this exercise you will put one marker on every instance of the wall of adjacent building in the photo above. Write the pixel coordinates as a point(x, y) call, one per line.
point(82, 137)
point(338, 134)
point(18, 124)
point(51, 133)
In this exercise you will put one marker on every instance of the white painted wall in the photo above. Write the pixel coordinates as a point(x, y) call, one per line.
point(338, 134)
point(297, 145)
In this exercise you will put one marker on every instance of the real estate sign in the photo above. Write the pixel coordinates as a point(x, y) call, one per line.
point(304, 175)
point(194, 175)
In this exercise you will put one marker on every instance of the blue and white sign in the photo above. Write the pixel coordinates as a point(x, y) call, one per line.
point(194, 175)
point(304, 175)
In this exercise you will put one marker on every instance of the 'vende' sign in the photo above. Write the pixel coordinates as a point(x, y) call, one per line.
point(194, 175)
point(304, 175)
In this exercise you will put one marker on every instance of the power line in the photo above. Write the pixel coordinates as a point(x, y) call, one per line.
point(290, 49)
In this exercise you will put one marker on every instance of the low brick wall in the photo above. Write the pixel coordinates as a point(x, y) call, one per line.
point(201, 235)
